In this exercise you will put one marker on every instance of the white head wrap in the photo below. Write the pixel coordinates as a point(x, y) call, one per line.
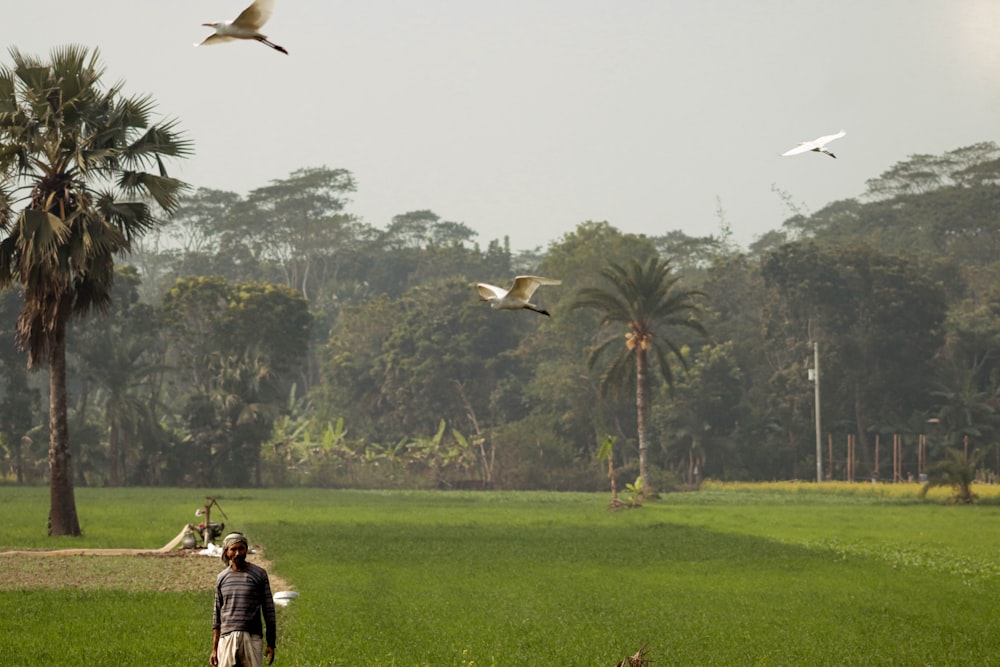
point(230, 540)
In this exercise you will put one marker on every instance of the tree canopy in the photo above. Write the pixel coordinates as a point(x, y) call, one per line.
point(275, 337)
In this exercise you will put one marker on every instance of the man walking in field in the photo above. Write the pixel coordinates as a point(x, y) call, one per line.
point(242, 597)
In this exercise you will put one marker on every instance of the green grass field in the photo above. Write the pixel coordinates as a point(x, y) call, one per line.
point(746, 576)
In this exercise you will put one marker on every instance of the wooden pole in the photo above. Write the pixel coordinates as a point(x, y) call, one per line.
point(829, 449)
point(847, 460)
point(900, 458)
point(875, 476)
point(819, 436)
point(921, 453)
point(897, 458)
point(850, 457)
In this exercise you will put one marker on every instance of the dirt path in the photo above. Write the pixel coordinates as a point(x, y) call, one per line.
point(164, 569)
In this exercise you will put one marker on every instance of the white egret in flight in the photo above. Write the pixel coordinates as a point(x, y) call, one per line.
point(246, 26)
point(818, 145)
point(518, 296)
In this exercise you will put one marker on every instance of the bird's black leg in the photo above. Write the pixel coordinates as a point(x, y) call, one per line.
point(274, 46)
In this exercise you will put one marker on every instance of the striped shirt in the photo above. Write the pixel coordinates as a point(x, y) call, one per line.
point(241, 598)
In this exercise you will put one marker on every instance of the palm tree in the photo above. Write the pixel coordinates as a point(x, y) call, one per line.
point(231, 414)
point(964, 410)
point(958, 471)
point(73, 157)
point(645, 298)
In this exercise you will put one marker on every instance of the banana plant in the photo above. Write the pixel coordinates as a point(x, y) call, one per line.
point(606, 452)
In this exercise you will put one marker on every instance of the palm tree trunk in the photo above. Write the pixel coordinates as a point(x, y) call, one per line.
point(115, 472)
point(258, 464)
point(862, 426)
point(62, 502)
point(19, 460)
point(640, 407)
point(691, 462)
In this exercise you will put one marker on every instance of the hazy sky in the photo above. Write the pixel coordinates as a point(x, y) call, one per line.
point(527, 117)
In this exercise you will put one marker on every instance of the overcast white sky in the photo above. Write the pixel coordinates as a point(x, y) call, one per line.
point(527, 117)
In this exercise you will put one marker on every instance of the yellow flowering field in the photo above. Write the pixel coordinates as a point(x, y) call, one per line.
point(895, 491)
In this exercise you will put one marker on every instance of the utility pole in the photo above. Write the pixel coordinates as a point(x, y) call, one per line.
point(819, 431)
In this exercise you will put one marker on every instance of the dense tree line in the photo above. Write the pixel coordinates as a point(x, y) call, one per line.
point(276, 338)
point(213, 367)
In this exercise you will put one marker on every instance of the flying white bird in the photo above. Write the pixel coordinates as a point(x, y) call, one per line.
point(518, 296)
point(246, 26)
point(818, 145)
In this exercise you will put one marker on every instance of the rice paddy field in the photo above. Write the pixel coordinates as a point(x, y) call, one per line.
point(761, 574)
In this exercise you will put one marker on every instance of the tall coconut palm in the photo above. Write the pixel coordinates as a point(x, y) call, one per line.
point(645, 298)
point(81, 178)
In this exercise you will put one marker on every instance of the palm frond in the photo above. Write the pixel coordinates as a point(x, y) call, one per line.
point(69, 146)
point(95, 238)
point(75, 61)
point(644, 297)
point(132, 219)
point(6, 210)
point(158, 140)
point(8, 261)
point(40, 235)
point(619, 377)
point(958, 471)
point(663, 360)
point(611, 306)
point(93, 290)
point(8, 101)
point(23, 59)
point(167, 192)
point(36, 88)
point(598, 350)
point(133, 112)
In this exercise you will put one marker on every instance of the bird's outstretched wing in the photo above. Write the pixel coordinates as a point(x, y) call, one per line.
point(488, 291)
point(215, 39)
point(823, 141)
point(256, 15)
point(804, 147)
point(813, 145)
point(525, 286)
